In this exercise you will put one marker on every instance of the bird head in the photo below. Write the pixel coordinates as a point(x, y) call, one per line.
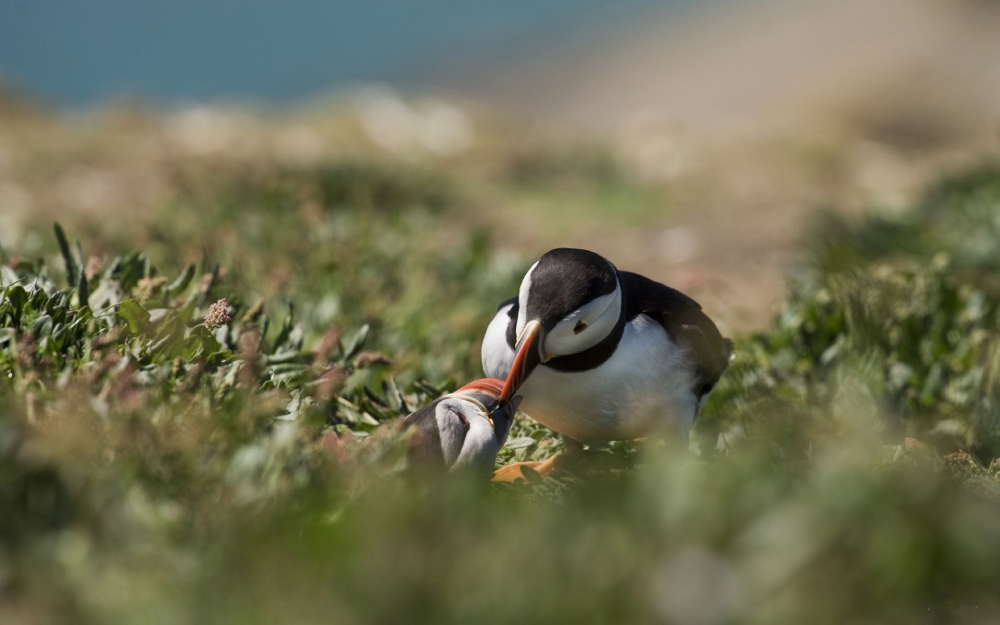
point(569, 301)
point(486, 392)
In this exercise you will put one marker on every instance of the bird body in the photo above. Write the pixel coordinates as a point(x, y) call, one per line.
point(599, 354)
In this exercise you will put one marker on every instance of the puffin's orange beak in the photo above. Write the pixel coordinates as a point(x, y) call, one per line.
point(488, 386)
point(528, 356)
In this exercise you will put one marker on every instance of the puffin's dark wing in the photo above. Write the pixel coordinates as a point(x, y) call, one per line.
point(425, 444)
point(684, 322)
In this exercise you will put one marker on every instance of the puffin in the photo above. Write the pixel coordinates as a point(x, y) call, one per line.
point(461, 431)
point(599, 354)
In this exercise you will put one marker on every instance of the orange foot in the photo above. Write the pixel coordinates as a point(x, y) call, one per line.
point(513, 472)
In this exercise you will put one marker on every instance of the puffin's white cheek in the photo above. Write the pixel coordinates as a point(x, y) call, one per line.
point(559, 342)
point(598, 318)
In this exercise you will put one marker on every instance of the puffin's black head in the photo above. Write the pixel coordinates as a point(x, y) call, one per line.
point(570, 300)
point(565, 280)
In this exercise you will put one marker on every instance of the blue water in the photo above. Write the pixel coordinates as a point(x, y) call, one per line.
point(81, 52)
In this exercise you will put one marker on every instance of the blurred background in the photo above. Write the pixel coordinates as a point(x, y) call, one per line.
point(735, 120)
point(361, 183)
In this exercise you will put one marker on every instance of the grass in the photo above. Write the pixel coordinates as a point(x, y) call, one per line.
point(164, 462)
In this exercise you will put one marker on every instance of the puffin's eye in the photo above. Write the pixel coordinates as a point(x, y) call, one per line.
point(580, 327)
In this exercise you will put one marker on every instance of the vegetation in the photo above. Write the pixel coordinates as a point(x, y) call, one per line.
point(189, 424)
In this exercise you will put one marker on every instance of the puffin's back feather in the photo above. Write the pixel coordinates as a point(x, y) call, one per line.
point(684, 322)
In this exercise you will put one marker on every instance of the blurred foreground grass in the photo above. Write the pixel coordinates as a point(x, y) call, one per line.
point(158, 467)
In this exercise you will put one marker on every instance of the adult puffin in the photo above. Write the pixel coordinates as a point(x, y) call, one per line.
point(599, 354)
